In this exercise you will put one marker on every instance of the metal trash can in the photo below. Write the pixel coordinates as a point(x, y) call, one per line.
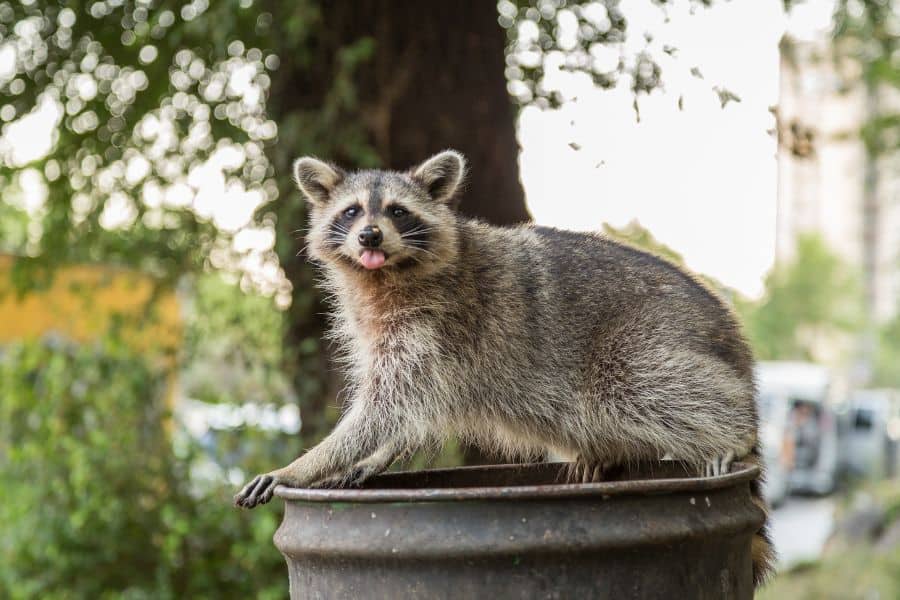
point(514, 531)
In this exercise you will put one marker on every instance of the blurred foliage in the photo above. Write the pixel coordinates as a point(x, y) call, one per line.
point(639, 236)
point(857, 569)
point(859, 573)
point(815, 298)
point(233, 345)
point(867, 42)
point(142, 102)
point(99, 506)
point(581, 37)
point(866, 36)
point(887, 357)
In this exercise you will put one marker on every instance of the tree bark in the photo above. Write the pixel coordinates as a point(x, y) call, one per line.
point(438, 82)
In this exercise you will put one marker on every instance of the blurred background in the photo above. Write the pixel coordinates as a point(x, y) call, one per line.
point(160, 333)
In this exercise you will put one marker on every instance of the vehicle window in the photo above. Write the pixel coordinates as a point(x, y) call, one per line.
point(864, 420)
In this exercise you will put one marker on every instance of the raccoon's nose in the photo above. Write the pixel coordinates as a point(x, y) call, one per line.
point(370, 236)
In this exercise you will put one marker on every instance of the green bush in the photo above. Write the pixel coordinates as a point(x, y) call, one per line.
point(850, 568)
point(96, 503)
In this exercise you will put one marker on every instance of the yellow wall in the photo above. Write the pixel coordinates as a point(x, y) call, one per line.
point(81, 303)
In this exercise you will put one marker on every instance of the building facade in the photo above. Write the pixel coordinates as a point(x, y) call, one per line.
point(828, 183)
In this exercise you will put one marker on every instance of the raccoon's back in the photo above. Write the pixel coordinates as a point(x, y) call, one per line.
point(598, 282)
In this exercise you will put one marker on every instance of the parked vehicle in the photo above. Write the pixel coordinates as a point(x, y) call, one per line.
point(776, 442)
point(807, 432)
point(871, 442)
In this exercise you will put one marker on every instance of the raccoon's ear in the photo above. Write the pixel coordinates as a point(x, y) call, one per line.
point(316, 179)
point(441, 174)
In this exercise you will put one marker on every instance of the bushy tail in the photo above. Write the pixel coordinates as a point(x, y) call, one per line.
point(762, 550)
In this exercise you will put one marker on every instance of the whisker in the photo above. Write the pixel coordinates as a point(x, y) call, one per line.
point(424, 251)
point(413, 232)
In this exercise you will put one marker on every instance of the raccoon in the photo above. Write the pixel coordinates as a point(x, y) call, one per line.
point(524, 341)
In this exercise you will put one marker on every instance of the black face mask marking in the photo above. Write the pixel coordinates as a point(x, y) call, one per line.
point(340, 226)
point(412, 230)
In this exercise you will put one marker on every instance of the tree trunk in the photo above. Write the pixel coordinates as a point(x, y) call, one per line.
point(438, 82)
point(434, 80)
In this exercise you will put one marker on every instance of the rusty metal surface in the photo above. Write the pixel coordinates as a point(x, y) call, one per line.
point(515, 532)
point(508, 482)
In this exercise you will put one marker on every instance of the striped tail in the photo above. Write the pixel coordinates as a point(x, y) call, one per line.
point(762, 550)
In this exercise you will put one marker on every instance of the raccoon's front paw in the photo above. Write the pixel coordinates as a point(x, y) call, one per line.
point(259, 490)
point(719, 465)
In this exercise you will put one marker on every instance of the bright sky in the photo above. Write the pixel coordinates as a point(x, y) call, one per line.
point(702, 180)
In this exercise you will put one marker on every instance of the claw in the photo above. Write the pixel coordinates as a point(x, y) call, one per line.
point(359, 475)
point(259, 491)
point(725, 462)
point(720, 465)
point(582, 471)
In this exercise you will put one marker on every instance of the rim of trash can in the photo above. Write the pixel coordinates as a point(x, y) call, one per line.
point(740, 473)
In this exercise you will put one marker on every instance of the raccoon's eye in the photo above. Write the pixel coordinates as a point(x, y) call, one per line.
point(399, 212)
point(351, 212)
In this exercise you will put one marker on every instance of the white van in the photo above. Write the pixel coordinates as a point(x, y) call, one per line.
point(776, 444)
point(870, 442)
point(801, 421)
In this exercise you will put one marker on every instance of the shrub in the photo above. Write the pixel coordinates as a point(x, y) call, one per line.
point(96, 503)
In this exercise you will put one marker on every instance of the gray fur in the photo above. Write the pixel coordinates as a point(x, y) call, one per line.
point(316, 179)
point(441, 174)
point(522, 340)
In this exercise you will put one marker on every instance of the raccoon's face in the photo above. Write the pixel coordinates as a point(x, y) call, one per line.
point(382, 221)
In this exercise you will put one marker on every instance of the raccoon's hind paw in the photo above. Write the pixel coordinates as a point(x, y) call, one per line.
point(329, 483)
point(719, 465)
point(584, 471)
point(355, 477)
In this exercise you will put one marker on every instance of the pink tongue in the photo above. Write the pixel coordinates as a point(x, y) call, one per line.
point(372, 259)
